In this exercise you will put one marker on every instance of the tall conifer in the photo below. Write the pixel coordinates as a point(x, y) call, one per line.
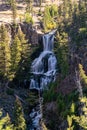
point(25, 56)
point(5, 123)
point(14, 10)
point(19, 120)
point(5, 58)
point(15, 54)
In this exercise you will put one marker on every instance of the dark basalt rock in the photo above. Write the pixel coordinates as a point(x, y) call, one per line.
point(30, 32)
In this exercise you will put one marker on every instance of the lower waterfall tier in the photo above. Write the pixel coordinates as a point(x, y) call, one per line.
point(43, 70)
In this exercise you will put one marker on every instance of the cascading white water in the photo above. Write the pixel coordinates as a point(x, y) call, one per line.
point(44, 67)
point(43, 70)
point(48, 38)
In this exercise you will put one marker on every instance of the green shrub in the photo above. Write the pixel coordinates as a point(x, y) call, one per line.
point(48, 19)
point(5, 122)
point(28, 18)
point(53, 10)
point(61, 105)
point(83, 30)
point(50, 95)
point(19, 119)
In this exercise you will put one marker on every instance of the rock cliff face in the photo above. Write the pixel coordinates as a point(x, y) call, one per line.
point(31, 33)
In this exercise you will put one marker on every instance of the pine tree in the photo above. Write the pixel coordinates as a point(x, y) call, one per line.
point(47, 17)
point(9, 2)
point(14, 10)
point(5, 57)
point(82, 74)
point(15, 54)
point(25, 56)
point(69, 120)
point(5, 123)
point(48, 20)
point(72, 108)
point(28, 18)
point(22, 39)
point(2, 52)
point(53, 10)
point(19, 120)
point(71, 9)
point(24, 43)
point(82, 118)
point(62, 50)
point(40, 3)
point(65, 9)
point(29, 6)
point(75, 11)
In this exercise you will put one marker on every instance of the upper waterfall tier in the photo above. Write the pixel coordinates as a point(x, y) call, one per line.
point(48, 42)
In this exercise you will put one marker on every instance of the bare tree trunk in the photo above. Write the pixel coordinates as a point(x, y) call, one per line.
point(78, 84)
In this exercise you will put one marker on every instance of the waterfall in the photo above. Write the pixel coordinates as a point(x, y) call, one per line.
point(43, 71)
point(44, 67)
point(48, 38)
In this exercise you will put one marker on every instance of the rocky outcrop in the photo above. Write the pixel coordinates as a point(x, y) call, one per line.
point(67, 85)
point(31, 33)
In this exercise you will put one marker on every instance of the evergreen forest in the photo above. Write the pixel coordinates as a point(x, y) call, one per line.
point(24, 27)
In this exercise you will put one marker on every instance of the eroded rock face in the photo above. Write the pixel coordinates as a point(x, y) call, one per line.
point(31, 33)
point(51, 106)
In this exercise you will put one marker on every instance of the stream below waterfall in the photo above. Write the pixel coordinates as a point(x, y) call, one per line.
point(43, 71)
